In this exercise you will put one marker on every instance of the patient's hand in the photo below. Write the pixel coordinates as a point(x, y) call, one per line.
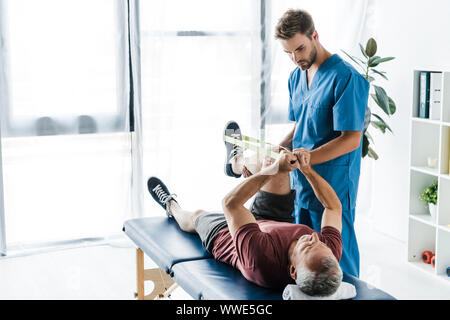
point(245, 172)
point(304, 159)
point(287, 161)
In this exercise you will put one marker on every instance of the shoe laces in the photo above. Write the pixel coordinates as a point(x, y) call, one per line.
point(236, 149)
point(164, 197)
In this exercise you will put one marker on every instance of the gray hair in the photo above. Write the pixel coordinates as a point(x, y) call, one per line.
point(323, 283)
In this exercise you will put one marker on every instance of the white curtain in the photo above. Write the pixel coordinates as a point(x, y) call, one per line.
point(68, 165)
point(2, 207)
point(200, 68)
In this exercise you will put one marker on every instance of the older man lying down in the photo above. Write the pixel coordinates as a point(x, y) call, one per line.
point(262, 242)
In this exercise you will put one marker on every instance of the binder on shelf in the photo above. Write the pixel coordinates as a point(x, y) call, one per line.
point(424, 98)
point(435, 95)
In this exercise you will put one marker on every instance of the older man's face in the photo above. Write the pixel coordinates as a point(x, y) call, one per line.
point(310, 251)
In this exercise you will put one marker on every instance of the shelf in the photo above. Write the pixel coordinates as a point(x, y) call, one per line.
point(424, 218)
point(427, 170)
point(444, 204)
point(430, 139)
point(444, 277)
point(429, 121)
point(424, 267)
point(425, 144)
point(425, 120)
point(431, 171)
point(444, 227)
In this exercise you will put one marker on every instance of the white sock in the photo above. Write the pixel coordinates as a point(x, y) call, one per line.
point(237, 163)
point(253, 162)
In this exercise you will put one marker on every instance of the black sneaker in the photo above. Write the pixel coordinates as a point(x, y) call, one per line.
point(232, 130)
point(160, 193)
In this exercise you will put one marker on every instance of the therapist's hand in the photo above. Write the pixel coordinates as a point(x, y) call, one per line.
point(304, 159)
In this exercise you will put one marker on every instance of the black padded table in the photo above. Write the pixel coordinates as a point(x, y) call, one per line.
point(182, 256)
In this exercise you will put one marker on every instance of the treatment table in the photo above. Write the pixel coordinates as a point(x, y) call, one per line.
point(184, 262)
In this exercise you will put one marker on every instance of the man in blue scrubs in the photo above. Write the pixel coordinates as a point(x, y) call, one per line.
point(328, 99)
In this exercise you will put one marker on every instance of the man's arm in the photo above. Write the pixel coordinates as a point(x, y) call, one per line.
point(332, 215)
point(236, 213)
point(287, 141)
point(345, 143)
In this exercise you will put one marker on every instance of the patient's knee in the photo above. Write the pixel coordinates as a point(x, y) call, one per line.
point(197, 213)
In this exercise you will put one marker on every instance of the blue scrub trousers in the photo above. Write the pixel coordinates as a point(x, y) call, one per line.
point(350, 253)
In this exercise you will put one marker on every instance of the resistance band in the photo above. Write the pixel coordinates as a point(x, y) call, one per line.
point(248, 143)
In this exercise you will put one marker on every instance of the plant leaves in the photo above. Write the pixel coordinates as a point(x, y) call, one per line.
point(369, 136)
point(373, 154)
point(363, 51)
point(374, 97)
point(378, 71)
point(366, 149)
point(354, 60)
point(429, 194)
point(379, 125)
point(367, 116)
point(364, 63)
point(371, 61)
point(369, 78)
point(365, 146)
point(382, 122)
point(392, 106)
point(371, 47)
point(382, 99)
point(381, 60)
point(381, 73)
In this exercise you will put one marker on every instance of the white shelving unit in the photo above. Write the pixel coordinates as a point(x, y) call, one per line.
point(430, 138)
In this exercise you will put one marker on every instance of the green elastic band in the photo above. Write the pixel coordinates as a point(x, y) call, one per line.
point(247, 144)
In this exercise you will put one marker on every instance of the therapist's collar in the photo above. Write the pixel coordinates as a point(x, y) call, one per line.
point(331, 61)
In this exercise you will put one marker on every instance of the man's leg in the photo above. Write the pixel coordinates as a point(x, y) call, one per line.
point(184, 218)
point(278, 185)
point(161, 194)
point(205, 224)
point(251, 160)
point(275, 200)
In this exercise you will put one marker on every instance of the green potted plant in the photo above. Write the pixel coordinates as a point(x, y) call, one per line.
point(367, 64)
point(429, 196)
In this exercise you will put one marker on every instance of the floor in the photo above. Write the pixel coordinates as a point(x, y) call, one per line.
point(108, 272)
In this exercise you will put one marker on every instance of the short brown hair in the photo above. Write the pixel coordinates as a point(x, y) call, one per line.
point(294, 21)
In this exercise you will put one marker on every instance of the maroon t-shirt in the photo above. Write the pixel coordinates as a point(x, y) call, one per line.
point(260, 250)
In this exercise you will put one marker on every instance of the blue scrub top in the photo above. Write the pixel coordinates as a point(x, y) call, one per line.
point(336, 101)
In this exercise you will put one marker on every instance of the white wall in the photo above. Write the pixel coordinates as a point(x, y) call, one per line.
point(416, 32)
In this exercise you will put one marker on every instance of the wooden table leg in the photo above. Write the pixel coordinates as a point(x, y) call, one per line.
point(140, 273)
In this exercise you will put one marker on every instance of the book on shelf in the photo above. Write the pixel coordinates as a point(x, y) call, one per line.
point(424, 97)
point(435, 95)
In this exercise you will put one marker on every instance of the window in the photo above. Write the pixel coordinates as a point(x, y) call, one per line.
point(65, 98)
point(64, 67)
point(201, 65)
